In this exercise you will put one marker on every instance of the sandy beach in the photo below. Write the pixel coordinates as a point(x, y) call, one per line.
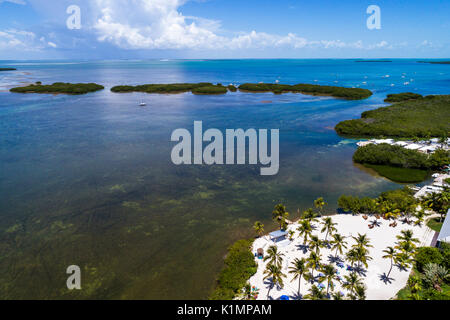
point(348, 226)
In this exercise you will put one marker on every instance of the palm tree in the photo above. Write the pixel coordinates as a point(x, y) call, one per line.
point(404, 259)
point(390, 254)
point(315, 244)
point(329, 275)
point(362, 256)
point(305, 230)
point(298, 269)
point(328, 226)
point(314, 261)
point(407, 236)
point(274, 256)
point(337, 296)
point(406, 247)
point(319, 204)
point(352, 256)
point(351, 282)
point(280, 214)
point(273, 272)
point(362, 241)
point(315, 293)
point(360, 292)
point(310, 215)
point(259, 228)
point(338, 244)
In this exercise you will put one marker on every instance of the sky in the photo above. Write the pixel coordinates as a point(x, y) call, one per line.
point(217, 29)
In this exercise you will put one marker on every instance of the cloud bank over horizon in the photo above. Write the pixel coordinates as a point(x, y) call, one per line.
point(142, 26)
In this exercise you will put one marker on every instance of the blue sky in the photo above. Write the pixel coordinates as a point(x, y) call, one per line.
point(117, 29)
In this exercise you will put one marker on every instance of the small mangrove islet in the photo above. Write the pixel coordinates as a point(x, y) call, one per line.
point(59, 87)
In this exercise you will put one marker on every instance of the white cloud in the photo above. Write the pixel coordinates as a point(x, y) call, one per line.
point(158, 24)
point(22, 2)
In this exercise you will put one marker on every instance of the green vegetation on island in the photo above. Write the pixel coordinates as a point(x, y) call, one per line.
point(59, 87)
point(195, 88)
point(240, 265)
point(309, 89)
point(8, 69)
point(397, 156)
point(435, 62)
point(209, 88)
point(405, 96)
point(399, 164)
point(424, 117)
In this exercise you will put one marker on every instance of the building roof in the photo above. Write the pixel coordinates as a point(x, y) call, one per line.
point(277, 234)
point(444, 234)
point(413, 146)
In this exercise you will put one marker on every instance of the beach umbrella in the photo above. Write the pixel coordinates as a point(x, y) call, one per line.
point(284, 297)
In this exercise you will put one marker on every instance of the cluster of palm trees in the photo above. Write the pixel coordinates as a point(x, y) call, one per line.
point(312, 269)
point(403, 252)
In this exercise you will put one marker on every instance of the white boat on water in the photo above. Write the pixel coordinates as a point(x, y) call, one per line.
point(142, 104)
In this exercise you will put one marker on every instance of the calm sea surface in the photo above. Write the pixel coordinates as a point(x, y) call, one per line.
point(87, 180)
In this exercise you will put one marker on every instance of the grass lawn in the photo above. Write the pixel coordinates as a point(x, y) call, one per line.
point(434, 224)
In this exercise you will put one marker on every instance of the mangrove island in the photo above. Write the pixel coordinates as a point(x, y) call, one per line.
point(59, 87)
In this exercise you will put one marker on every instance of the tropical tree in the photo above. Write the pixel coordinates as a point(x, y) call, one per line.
point(274, 256)
point(362, 241)
point(352, 281)
point(404, 259)
point(259, 228)
point(310, 215)
point(337, 296)
point(319, 204)
point(275, 276)
point(328, 226)
point(391, 255)
point(329, 275)
point(305, 230)
point(279, 214)
point(338, 244)
point(362, 256)
point(298, 269)
point(360, 292)
point(315, 244)
point(439, 202)
point(352, 256)
point(407, 236)
point(314, 261)
point(315, 293)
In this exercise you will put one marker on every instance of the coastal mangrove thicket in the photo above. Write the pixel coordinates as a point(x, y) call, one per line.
point(423, 117)
point(399, 164)
point(309, 89)
point(59, 87)
point(397, 156)
point(195, 88)
point(240, 265)
point(209, 88)
point(405, 96)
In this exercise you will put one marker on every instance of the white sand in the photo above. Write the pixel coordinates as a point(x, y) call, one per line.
point(347, 225)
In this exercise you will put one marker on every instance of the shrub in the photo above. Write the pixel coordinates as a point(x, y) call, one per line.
point(240, 265)
point(427, 255)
